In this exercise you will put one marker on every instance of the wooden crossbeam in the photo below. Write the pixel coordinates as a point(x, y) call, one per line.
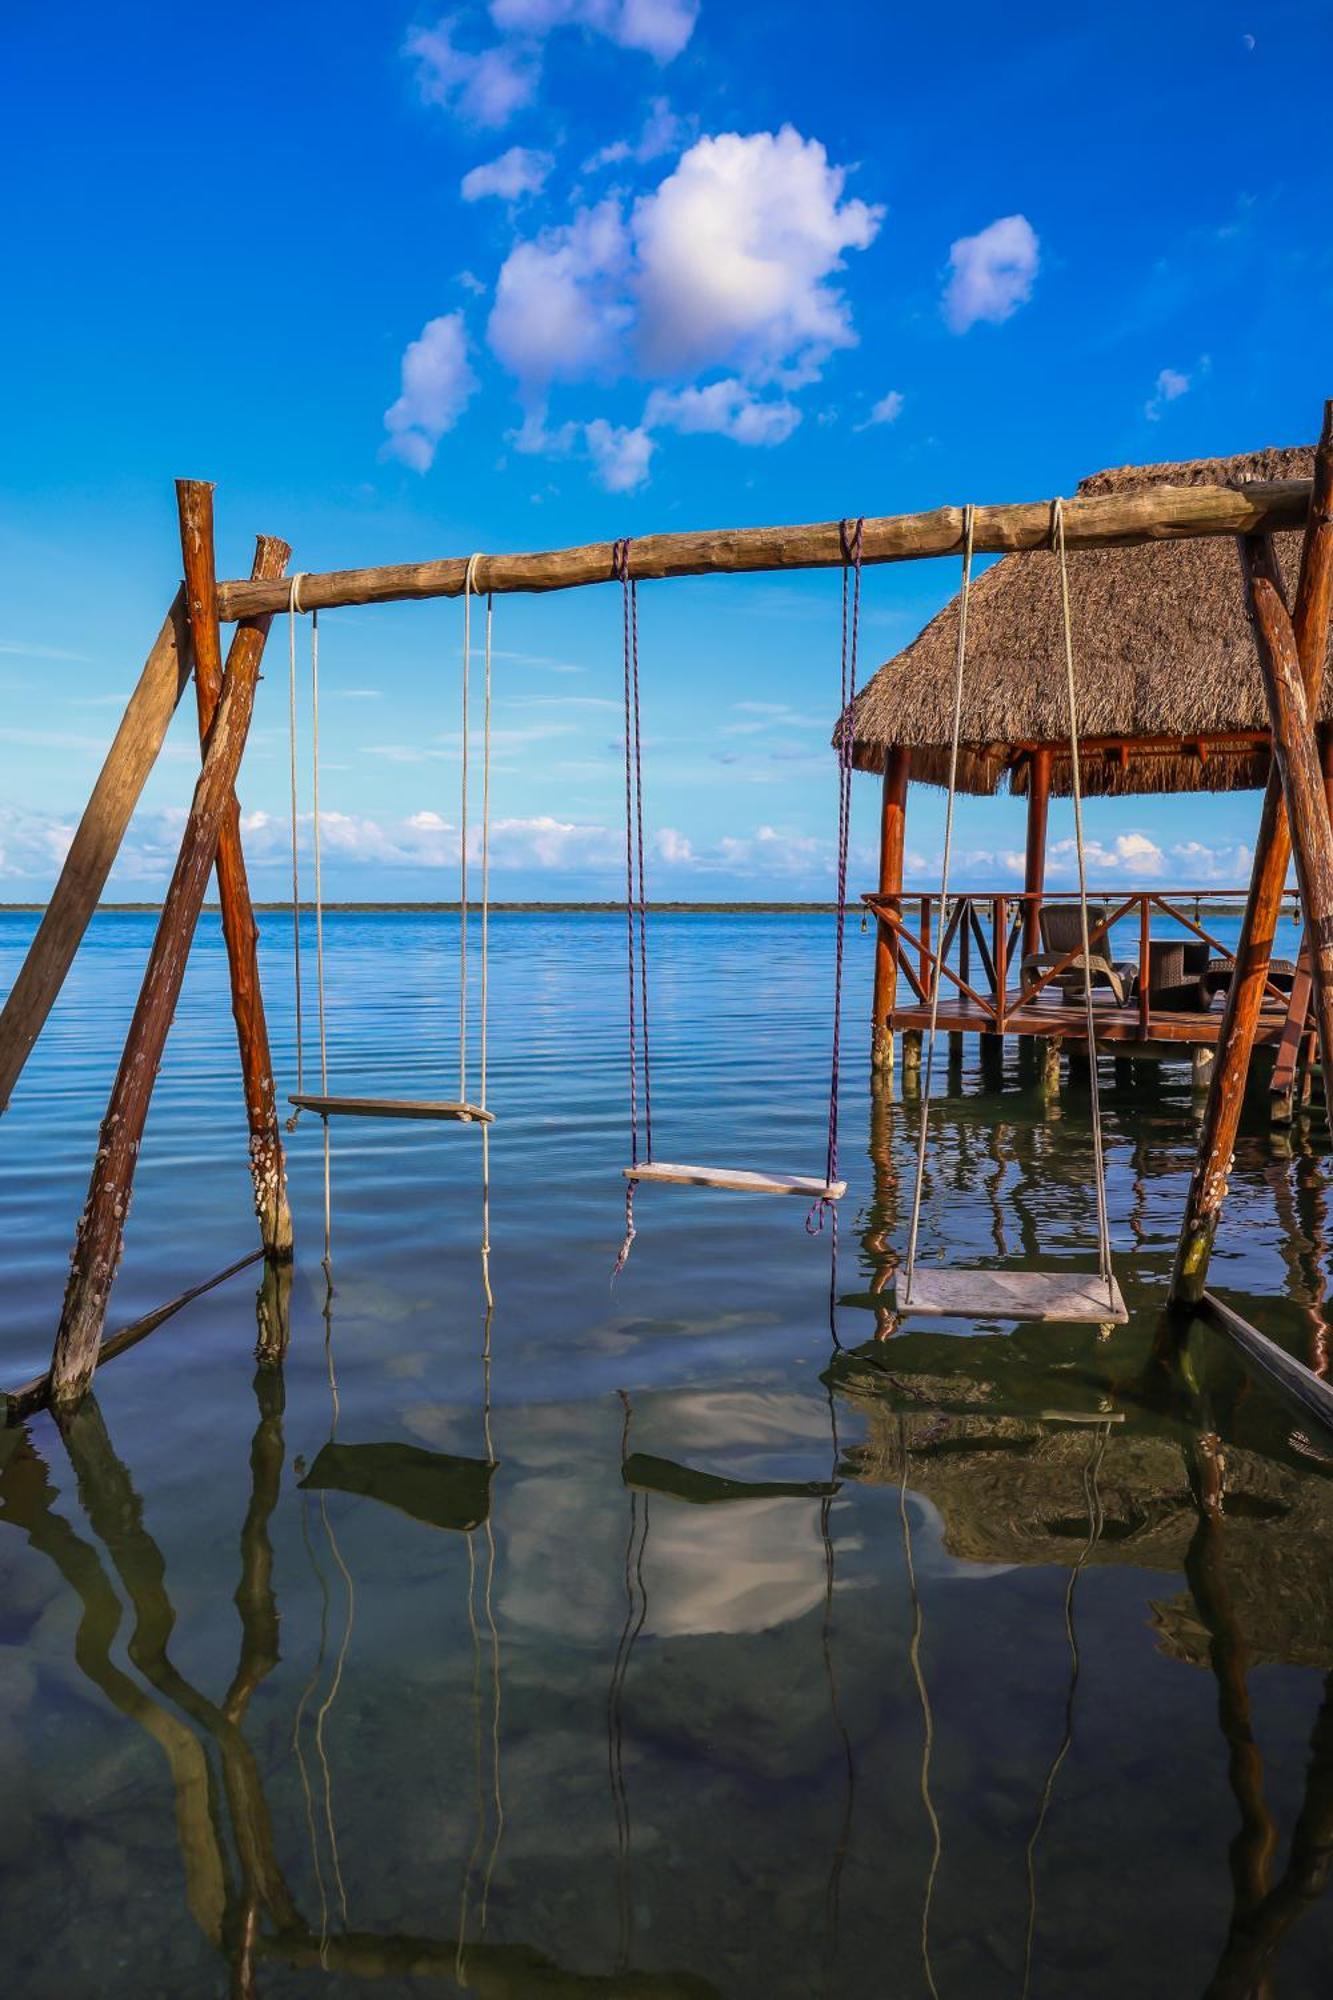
point(1091, 521)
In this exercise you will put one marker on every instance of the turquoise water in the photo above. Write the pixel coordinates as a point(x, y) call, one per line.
point(639, 1643)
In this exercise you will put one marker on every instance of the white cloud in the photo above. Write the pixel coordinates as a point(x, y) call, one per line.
point(621, 454)
point(1170, 386)
point(518, 172)
point(734, 253)
point(992, 273)
point(1132, 853)
point(673, 846)
point(886, 411)
point(485, 88)
point(726, 407)
point(660, 134)
point(560, 311)
point(660, 28)
point(437, 385)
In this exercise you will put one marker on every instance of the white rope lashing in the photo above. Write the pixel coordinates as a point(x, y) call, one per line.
point(969, 517)
point(1089, 1011)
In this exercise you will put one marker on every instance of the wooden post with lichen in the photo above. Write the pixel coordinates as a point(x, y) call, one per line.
point(1272, 854)
point(892, 834)
point(194, 498)
point(100, 1238)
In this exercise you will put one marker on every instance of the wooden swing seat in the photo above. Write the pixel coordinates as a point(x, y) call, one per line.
point(809, 1185)
point(393, 1107)
point(1077, 1297)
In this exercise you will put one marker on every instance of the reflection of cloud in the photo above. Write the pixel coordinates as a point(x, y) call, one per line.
point(745, 1566)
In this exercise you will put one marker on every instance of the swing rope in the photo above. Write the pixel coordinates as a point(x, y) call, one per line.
point(1104, 1264)
point(469, 591)
point(293, 607)
point(319, 946)
point(635, 892)
point(851, 538)
point(969, 520)
point(1089, 1012)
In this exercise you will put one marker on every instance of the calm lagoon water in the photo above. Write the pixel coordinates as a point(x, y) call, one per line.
point(954, 1689)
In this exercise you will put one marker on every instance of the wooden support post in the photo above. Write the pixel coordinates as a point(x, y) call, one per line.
point(892, 833)
point(1302, 783)
point(194, 498)
point(1034, 869)
point(1202, 1059)
point(912, 1039)
point(100, 1238)
point(1048, 1063)
point(1272, 852)
point(95, 846)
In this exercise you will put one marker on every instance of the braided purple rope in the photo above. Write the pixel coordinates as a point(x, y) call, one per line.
point(643, 898)
point(852, 546)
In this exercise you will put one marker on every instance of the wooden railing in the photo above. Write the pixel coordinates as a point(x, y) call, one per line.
point(994, 922)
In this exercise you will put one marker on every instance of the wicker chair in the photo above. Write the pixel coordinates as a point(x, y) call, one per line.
point(1062, 932)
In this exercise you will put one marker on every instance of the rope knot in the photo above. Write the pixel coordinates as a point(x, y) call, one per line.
point(620, 560)
point(294, 604)
point(851, 539)
point(470, 576)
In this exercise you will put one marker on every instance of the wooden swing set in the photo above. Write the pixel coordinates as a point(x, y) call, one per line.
point(1292, 646)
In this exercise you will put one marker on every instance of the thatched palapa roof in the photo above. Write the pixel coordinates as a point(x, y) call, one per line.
point(1162, 647)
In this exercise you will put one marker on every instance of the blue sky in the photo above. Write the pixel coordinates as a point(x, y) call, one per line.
point(542, 271)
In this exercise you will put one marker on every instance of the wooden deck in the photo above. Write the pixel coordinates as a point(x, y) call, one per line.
point(1049, 1013)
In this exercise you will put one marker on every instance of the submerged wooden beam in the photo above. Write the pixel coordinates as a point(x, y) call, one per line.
point(1091, 521)
point(16, 1404)
point(1264, 1358)
point(95, 846)
point(100, 1238)
point(1272, 855)
point(194, 498)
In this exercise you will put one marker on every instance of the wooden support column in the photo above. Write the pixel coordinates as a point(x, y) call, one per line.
point(1034, 870)
point(194, 498)
point(100, 1237)
point(95, 846)
point(1272, 852)
point(892, 835)
point(1302, 783)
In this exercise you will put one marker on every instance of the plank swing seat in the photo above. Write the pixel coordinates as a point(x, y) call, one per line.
point(392, 1107)
point(820, 1191)
point(812, 1186)
point(1075, 1298)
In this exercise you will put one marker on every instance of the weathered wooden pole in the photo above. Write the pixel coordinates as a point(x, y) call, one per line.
point(1302, 784)
point(1272, 854)
point(194, 499)
point(100, 1237)
point(892, 837)
point(94, 847)
point(1034, 867)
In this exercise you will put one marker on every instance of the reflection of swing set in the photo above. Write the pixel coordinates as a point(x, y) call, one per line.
point(190, 639)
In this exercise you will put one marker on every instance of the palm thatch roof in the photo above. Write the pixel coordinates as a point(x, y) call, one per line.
point(1162, 645)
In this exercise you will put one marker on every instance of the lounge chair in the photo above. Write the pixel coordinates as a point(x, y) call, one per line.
point(1062, 932)
point(1216, 975)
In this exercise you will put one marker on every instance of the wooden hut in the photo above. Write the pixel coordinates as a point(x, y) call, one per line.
point(1170, 700)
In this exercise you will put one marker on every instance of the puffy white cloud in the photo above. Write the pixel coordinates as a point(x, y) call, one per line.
point(486, 88)
point(621, 454)
point(437, 384)
point(726, 407)
point(992, 273)
point(660, 28)
point(673, 846)
point(734, 252)
point(886, 411)
point(1170, 386)
point(1132, 853)
point(518, 172)
point(560, 311)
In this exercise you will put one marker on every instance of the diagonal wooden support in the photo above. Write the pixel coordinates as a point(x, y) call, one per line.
point(100, 1238)
point(95, 846)
point(1297, 760)
point(1272, 854)
point(194, 499)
